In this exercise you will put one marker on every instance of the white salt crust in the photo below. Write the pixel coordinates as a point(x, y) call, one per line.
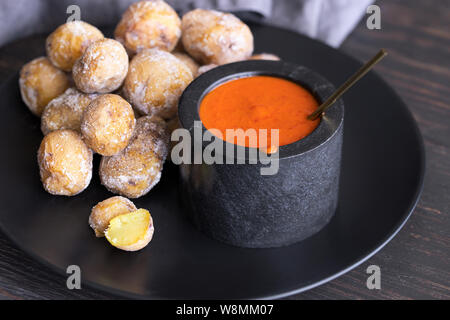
point(103, 135)
point(65, 111)
point(106, 210)
point(163, 25)
point(140, 163)
point(188, 61)
point(215, 37)
point(29, 95)
point(102, 68)
point(155, 82)
point(61, 45)
point(60, 174)
point(37, 68)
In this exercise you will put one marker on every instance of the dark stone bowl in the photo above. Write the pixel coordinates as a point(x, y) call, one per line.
point(234, 203)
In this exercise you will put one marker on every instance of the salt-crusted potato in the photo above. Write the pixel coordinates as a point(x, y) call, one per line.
point(65, 163)
point(131, 231)
point(107, 124)
point(69, 41)
point(137, 169)
point(107, 210)
point(65, 111)
point(102, 67)
point(205, 68)
point(40, 82)
point(213, 37)
point(155, 82)
point(265, 56)
point(192, 65)
point(149, 24)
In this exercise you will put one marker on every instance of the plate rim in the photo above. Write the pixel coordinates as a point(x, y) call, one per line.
point(357, 262)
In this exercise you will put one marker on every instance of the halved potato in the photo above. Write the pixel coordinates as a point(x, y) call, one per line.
point(107, 210)
point(132, 231)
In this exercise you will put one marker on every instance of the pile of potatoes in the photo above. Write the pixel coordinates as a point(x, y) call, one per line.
point(116, 97)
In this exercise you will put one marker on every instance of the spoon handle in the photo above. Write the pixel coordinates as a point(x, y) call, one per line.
point(348, 84)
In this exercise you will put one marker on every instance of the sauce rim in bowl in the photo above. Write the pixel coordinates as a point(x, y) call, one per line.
point(318, 86)
point(260, 102)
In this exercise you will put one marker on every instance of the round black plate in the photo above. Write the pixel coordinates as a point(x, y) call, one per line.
point(382, 173)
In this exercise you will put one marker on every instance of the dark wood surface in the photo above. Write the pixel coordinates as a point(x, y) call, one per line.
point(416, 264)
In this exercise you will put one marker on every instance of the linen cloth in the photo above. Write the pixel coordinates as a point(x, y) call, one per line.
point(327, 20)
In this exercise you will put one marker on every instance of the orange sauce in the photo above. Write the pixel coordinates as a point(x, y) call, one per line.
point(260, 102)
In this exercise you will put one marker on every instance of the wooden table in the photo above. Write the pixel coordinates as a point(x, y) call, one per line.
point(416, 264)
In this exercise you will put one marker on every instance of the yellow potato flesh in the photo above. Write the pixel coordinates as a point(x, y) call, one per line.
point(128, 229)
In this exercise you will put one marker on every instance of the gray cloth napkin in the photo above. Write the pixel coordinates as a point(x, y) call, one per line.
point(327, 20)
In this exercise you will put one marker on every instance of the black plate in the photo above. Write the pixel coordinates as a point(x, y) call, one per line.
point(382, 174)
